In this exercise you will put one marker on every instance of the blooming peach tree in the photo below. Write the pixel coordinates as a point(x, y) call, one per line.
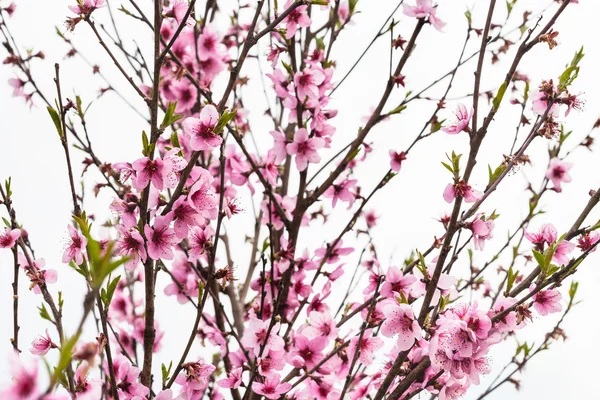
point(293, 320)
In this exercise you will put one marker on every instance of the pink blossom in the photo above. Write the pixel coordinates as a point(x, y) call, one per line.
point(546, 301)
point(400, 320)
point(130, 244)
point(271, 387)
point(199, 241)
point(461, 189)
point(75, 248)
point(148, 170)
point(587, 241)
point(547, 234)
point(540, 104)
point(297, 18)
point(305, 149)
point(333, 255)
point(85, 7)
point(369, 346)
point(320, 324)
point(255, 336)
point(201, 130)
point(207, 44)
point(279, 146)
point(87, 389)
point(233, 380)
point(173, 165)
point(345, 191)
point(160, 238)
point(558, 172)
point(562, 251)
point(396, 160)
point(42, 344)
point(184, 216)
point(463, 117)
point(423, 9)
point(307, 352)
point(397, 282)
point(482, 230)
point(128, 210)
point(202, 195)
point(24, 385)
point(8, 238)
point(126, 377)
point(177, 10)
point(307, 83)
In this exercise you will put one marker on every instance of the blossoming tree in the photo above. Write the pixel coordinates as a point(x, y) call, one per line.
point(291, 320)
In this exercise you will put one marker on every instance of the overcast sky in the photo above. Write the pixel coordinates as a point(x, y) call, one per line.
point(30, 152)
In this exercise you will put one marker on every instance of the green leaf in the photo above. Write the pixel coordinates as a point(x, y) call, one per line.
point(398, 110)
point(66, 352)
point(44, 313)
point(224, 120)
point(493, 175)
point(56, 119)
point(512, 277)
point(541, 260)
point(112, 286)
point(573, 291)
point(145, 143)
point(498, 99)
point(170, 117)
point(448, 167)
point(166, 372)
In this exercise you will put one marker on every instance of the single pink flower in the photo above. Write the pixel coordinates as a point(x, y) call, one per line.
point(396, 160)
point(255, 336)
point(461, 189)
point(271, 387)
point(369, 346)
point(400, 320)
point(126, 376)
point(333, 255)
point(587, 241)
point(345, 191)
point(42, 344)
point(424, 9)
point(558, 172)
point(297, 18)
point(160, 238)
point(185, 216)
point(148, 171)
point(24, 385)
point(75, 248)
point(305, 149)
point(482, 231)
point(540, 104)
point(546, 235)
point(279, 146)
point(9, 237)
point(546, 301)
point(85, 7)
point(307, 83)
point(463, 117)
point(199, 241)
point(396, 282)
point(233, 380)
point(201, 130)
point(130, 244)
point(562, 251)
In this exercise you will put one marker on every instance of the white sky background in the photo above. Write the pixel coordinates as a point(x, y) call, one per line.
point(30, 152)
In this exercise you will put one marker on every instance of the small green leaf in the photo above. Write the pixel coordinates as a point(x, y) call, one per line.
point(539, 257)
point(56, 119)
point(44, 313)
point(498, 99)
point(224, 120)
